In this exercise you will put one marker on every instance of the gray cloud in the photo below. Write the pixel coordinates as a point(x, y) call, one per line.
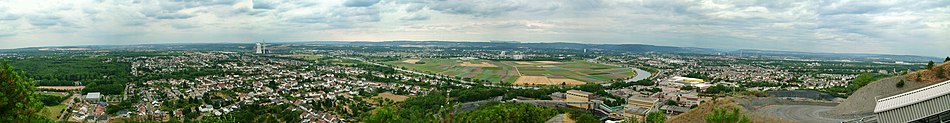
point(7, 34)
point(171, 16)
point(6, 15)
point(415, 7)
point(134, 23)
point(183, 26)
point(360, 3)
point(45, 20)
point(415, 17)
point(339, 17)
point(260, 4)
point(473, 8)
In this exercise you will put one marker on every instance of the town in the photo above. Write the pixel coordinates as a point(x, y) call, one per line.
point(339, 83)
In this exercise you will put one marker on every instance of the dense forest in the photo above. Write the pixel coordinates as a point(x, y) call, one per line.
point(72, 70)
point(97, 73)
point(433, 107)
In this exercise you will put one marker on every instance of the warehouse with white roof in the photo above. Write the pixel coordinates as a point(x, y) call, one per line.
point(929, 104)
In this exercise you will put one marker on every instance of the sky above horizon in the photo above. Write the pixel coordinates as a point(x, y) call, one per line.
point(914, 27)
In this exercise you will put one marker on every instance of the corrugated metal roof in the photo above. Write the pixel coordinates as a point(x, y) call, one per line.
point(93, 95)
point(644, 99)
point(912, 97)
point(580, 92)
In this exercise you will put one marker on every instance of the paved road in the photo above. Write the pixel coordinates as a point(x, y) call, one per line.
point(801, 113)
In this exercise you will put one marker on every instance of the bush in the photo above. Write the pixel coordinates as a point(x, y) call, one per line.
point(900, 84)
point(655, 117)
point(720, 115)
point(940, 72)
point(584, 118)
point(930, 65)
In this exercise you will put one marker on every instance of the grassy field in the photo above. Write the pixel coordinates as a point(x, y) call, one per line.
point(53, 112)
point(510, 71)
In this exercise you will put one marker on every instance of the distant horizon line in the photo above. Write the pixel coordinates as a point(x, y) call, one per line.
point(482, 41)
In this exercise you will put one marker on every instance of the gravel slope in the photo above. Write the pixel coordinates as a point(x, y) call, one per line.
point(801, 113)
point(862, 102)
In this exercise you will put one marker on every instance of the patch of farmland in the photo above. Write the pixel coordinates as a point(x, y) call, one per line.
point(478, 64)
point(548, 62)
point(543, 80)
point(513, 71)
point(411, 61)
point(466, 74)
point(524, 63)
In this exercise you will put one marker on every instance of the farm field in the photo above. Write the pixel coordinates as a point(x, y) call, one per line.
point(576, 72)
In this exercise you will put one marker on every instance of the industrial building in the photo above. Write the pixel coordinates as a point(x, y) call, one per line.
point(93, 96)
point(929, 104)
point(642, 102)
point(686, 81)
point(639, 107)
point(579, 96)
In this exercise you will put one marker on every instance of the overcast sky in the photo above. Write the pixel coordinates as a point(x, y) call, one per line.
point(917, 27)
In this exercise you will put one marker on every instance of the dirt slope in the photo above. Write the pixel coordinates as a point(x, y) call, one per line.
point(862, 101)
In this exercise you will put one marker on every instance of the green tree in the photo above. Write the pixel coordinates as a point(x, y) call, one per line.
point(686, 88)
point(655, 117)
point(721, 115)
point(930, 65)
point(947, 60)
point(18, 102)
point(631, 120)
point(384, 114)
point(940, 72)
point(919, 77)
point(509, 113)
point(581, 117)
point(900, 84)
